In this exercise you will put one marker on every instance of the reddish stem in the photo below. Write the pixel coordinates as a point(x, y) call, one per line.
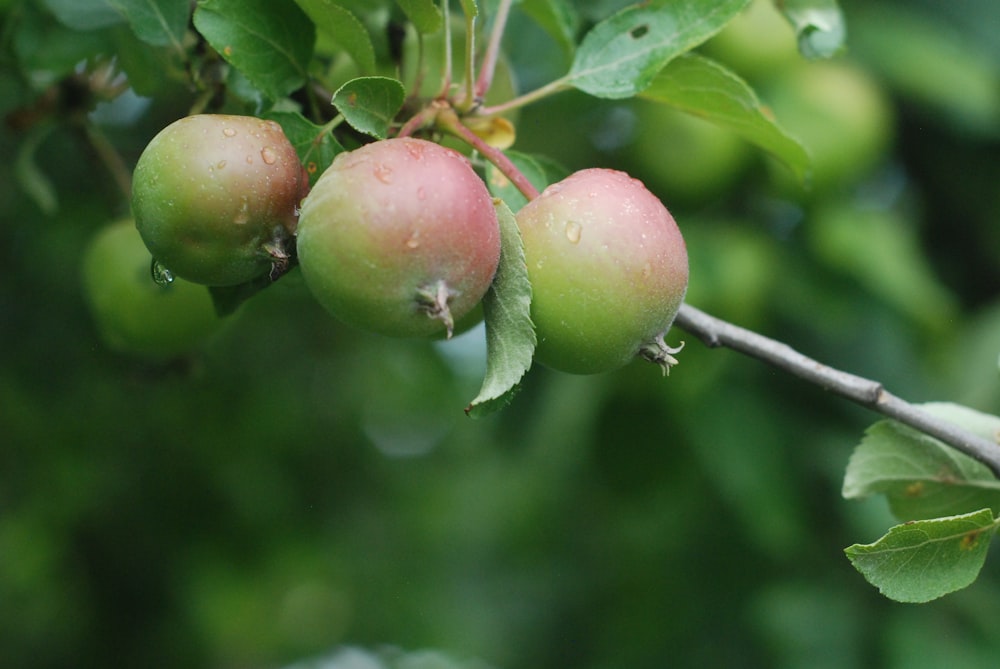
point(422, 119)
point(489, 63)
point(448, 120)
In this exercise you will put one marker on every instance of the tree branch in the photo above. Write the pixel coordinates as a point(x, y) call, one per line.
point(714, 333)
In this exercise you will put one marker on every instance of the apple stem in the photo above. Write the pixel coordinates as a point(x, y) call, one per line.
point(470, 62)
point(488, 66)
point(425, 117)
point(446, 75)
point(448, 120)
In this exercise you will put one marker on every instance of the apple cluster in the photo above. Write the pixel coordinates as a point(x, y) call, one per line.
point(401, 237)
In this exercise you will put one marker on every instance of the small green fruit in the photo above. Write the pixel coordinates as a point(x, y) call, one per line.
point(608, 269)
point(757, 43)
point(399, 237)
point(133, 313)
point(215, 197)
point(689, 159)
point(840, 114)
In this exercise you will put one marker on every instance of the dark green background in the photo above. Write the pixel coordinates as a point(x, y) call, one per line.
point(298, 485)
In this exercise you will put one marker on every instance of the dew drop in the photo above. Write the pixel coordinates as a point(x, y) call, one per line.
point(383, 173)
point(220, 164)
point(268, 156)
point(413, 242)
point(415, 149)
point(421, 193)
point(229, 132)
point(573, 230)
point(243, 215)
point(161, 275)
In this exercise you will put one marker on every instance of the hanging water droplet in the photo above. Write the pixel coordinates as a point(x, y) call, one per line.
point(573, 230)
point(161, 275)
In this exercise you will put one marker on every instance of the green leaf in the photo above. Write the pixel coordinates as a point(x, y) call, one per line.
point(157, 22)
point(921, 476)
point(269, 41)
point(510, 334)
point(926, 559)
point(558, 18)
point(539, 170)
point(621, 55)
point(423, 14)
point(345, 29)
point(704, 88)
point(819, 26)
point(149, 71)
point(316, 147)
point(84, 14)
point(46, 50)
point(369, 104)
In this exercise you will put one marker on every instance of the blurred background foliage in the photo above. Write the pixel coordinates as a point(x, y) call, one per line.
point(294, 486)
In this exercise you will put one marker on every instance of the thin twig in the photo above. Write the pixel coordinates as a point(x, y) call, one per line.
point(446, 77)
point(470, 59)
point(448, 120)
point(714, 332)
point(110, 157)
point(489, 63)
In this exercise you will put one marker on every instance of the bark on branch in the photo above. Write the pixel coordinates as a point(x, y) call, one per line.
point(714, 333)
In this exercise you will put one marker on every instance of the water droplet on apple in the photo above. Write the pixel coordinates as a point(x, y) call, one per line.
point(161, 275)
point(383, 173)
point(573, 230)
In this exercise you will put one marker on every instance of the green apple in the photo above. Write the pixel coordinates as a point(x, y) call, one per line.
point(135, 314)
point(757, 44)
point(841, 115)
point(215, 197)
point(683, 157)
point(608, 270)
